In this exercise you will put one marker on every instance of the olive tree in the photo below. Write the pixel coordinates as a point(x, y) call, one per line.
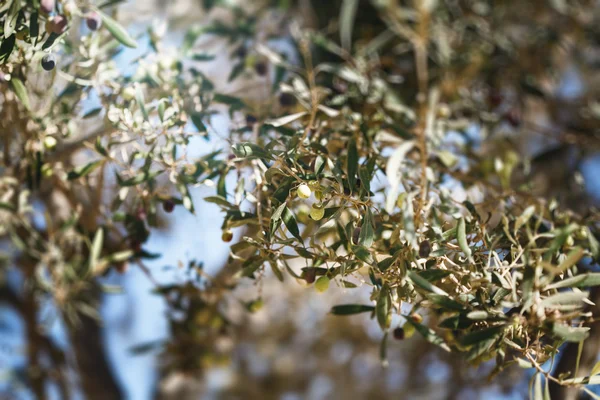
point(390, 148)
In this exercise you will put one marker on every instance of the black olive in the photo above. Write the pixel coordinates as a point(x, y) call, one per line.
point(168, 205)
point(398, 333)
point(287, 100)
point(424, 249)
point(48, 62)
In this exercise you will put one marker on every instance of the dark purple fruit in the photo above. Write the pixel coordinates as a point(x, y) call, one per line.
point(168, 206)
point(261, 68)
point(355, 235)
point(141, 214)
point(424, 249)
point(309, 275)
point(398, 333)
point(495, 98)
point(48, 62)
point(250, 120)
point(240, 52)
point(513, 117)
point(136, 246)
point(93, 21)
point(122, 267)
point(287, 100)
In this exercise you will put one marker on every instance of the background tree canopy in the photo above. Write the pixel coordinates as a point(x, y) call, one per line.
point(408, 191)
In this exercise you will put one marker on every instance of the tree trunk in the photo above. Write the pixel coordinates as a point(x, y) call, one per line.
point(97, 378)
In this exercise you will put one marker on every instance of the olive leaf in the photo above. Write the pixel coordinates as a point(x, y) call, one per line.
point(117, 31)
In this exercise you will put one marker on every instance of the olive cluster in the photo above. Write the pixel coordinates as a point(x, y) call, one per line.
point(58, 24)
point(304, 190)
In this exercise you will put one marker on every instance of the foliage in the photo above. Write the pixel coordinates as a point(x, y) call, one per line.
point(361, 163)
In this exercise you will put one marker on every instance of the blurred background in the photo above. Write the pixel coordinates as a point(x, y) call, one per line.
point(291, 348)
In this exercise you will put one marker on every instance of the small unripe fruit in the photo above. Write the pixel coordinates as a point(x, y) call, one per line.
point(304, 191)
point(319, 195)
point(287, 100)
point(93, 21)
point(128, 93)
point(57, 25)
point(47, 170)
point(424, 249)
point(409, 330)
point(302, 213)
point(168, 205)
point(49, 142)
point(581, 234)
point(227, 235)
point(48, 62)
point(317, 212)
point(444, 111)
point(570, 241)
point(322, 284)
point(47, 6)
point(398, 333)
point(255, 305)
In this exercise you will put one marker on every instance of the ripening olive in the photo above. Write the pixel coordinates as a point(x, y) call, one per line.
point(57, 25)
point(227, 235)
point(47, 6)
point(416, 318)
